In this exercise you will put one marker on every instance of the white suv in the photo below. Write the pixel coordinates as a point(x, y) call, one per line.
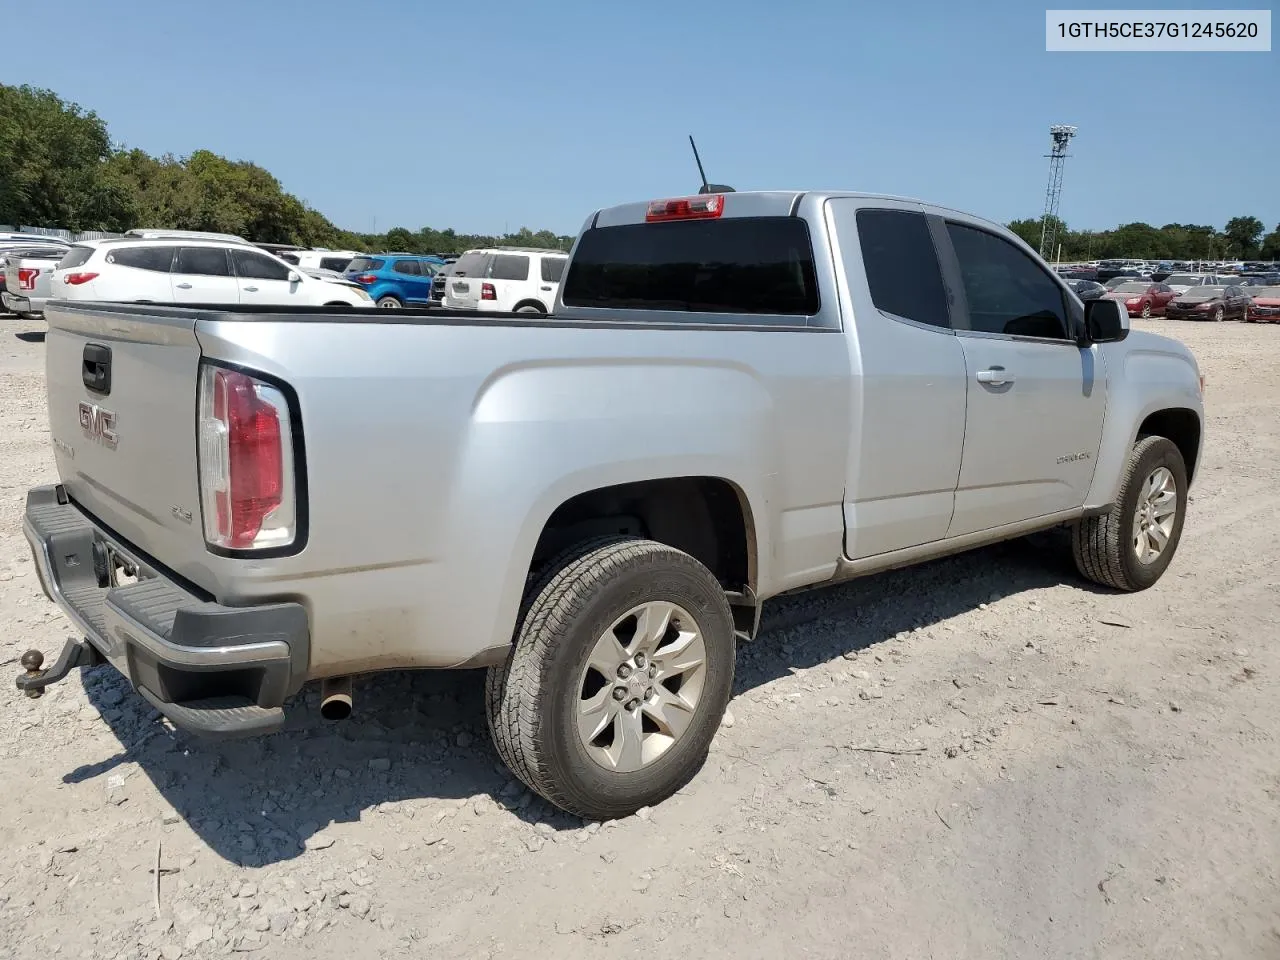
point(505, 280)
point(171, 269)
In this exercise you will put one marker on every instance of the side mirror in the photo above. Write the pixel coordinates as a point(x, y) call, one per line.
point(1105, 321)
point(295, 276)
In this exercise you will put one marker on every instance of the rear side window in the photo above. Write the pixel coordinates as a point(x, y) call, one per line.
point(75, 257)
point(338, 264)
point(411, 267)
point(254, 266)
point(509, 267)
point(552, 269)
point(202, 261)
point(751, 265)
point(902, 266)
point(143, 258)
point(470, 265)
point(289, 258)
point(365, 265)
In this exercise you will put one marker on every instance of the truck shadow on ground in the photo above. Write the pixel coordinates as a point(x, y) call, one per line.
point(418, 741)
point(30, 336)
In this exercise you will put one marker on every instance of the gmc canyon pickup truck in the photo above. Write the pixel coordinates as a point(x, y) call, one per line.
point(735, 396)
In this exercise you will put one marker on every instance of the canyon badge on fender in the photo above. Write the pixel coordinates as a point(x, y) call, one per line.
point(98, 423)
point(1075, 457)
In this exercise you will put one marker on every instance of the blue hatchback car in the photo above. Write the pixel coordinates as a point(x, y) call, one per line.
point(395, 280)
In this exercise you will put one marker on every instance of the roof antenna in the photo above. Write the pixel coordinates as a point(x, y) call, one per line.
point(707, 187)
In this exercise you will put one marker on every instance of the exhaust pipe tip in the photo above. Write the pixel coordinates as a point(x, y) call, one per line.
point(335, 698)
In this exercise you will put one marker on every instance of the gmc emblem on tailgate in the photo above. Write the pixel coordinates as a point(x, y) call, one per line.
point(98, 423)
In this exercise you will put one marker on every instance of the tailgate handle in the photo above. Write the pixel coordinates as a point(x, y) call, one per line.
point(97, 368)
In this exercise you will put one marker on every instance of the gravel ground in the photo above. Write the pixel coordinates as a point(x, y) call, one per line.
point(980, 757)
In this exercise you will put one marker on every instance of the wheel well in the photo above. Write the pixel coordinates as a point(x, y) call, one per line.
point(1180, 426)
point(337, 303)
point(530, 303)
point(706, 517)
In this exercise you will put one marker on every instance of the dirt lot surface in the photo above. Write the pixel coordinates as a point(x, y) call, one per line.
point(1079, 774)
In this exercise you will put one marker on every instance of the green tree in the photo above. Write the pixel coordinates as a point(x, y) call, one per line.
point(1242, 235)
point(52, 156)
point(1271, 245)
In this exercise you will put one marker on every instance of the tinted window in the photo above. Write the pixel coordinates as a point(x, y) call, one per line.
point(506, 266)
point(552, 269)
point(290, 258)
point(902, 266)
point(1007, 292)
point(338, 264)
point(410, 267)
point(365, 265)
point(254, 266)
point(143, 258)
point(754, 265)
point(470, 265)
point(75, 257)
point(203, 261)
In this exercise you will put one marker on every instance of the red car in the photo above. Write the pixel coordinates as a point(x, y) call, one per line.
point(1142, 298)
point(1266, 305)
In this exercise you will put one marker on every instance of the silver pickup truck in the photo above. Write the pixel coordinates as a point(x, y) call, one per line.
point(737, 395)
point(27, 275)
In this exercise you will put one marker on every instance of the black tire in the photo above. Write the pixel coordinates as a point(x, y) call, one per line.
point(530, 700)
point(529, 306)
point(1103, 546)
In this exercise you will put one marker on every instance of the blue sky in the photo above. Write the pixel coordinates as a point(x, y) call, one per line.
point(507, 114)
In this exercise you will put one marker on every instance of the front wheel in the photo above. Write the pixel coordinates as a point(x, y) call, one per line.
point(1217, 315)
point(1146, 311)
point(620, 673)
point(1130, 547)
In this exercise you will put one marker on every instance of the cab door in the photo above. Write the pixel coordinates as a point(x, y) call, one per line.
point(1035, 398)
point(908, 382)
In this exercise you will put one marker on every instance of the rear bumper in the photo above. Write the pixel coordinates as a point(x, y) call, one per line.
point(211, 669)
point(16, 304)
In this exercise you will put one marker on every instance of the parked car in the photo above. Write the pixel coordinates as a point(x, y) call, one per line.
point(593, 507)
point(10, 242)
point(1265, 307)
point(1182, 282)
point(1209, 303)
point(1260, 280)
point(395, 280)
point(1142, 299)
point(1127, 277)
point(438, 283)
point(336, 261)
point(505, 280)
point(180, 270)
point(27, 277)
point(1086, 289)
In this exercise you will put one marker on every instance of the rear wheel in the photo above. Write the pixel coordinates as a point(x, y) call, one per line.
point(530, 308)
point(620, 672)
point(389, 303)
point(1130, 547)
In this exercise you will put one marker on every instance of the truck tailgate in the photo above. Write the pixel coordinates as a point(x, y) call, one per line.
point(122, 413)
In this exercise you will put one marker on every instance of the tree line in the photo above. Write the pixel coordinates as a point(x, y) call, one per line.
point(60, 168)
point(1241, 239)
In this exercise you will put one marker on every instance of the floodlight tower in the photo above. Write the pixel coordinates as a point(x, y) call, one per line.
point(1061, 135)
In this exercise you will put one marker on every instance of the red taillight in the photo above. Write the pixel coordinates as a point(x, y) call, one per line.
point(366, 278)
point(247, 493)
point(75, 279)
point(27, 278)
point(704, 207)
point(487, 292)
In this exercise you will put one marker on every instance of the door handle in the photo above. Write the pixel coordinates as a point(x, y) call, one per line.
point(251, 289)
point(184, 286)
point(545, 288)
point(996, 376)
